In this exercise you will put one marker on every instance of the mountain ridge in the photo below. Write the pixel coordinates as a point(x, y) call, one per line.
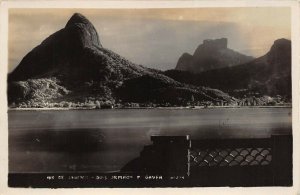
point(269, 74)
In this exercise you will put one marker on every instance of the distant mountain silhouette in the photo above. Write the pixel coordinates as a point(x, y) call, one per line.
point(266, 75)
point(71, 65)
point(211, 54)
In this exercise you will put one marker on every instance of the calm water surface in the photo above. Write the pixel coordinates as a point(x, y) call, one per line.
point(105, 140)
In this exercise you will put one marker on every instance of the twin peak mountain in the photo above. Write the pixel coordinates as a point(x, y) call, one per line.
point(71, 65)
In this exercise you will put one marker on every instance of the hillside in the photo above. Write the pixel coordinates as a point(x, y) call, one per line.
point(71, 68)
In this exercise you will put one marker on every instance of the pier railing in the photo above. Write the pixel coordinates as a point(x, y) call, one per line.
point(219, 162)
point(179, 161)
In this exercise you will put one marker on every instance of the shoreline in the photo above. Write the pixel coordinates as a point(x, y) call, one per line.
point(135, 108)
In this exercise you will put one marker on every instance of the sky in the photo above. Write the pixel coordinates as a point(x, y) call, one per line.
point(155, 38)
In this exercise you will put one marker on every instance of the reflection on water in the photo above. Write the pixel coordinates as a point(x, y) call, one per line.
point(105, 140)
point(59, 140)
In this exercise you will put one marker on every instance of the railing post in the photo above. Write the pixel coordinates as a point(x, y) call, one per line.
point(172, 153)
point(282, 161)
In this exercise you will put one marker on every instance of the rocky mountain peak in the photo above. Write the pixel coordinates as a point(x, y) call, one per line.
point(86, 31)
point(280, 52)
point(76, 19)
point(211, 54)
point(60, 51)
point(215, 43)
point(281, 45)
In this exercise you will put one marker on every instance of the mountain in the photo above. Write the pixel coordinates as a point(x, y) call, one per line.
point(74, 52)
point(269, 74)
point(72, 68)
point(211, 54)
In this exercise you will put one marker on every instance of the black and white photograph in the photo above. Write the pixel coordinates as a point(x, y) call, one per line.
point(150, 97)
